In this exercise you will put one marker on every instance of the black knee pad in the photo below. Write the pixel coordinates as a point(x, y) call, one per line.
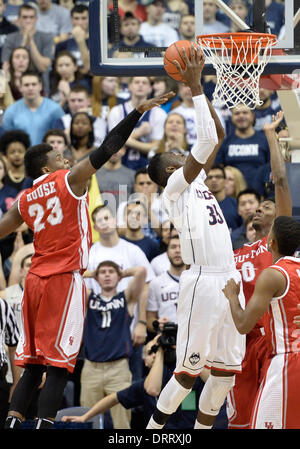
point(26, 387)
point(34, 373)
point(52, 392)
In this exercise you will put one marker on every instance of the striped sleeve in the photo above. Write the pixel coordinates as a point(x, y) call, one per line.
point(10, 324)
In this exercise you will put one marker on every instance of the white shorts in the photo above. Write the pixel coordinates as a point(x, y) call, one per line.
point(207, 336)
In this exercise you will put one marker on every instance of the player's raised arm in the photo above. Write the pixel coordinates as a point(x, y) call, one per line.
point(10, 221)
point(282, 191)
point(210, 132)
point(115, 140)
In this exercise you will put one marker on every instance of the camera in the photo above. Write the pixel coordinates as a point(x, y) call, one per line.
point(167, 341)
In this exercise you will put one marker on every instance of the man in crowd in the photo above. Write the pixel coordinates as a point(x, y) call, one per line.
point(77, 42)
point(79, 100)
point(130, 27)
point(154, 30)
point(210, 22)
point(164, 289)
point(33, 113)
point(150, 128)
point(109, 313)
point(187, 27)
point(248, 202)
point(215, 181)
point(245, 148)
point(38, 42)
point(53, 18)
point(136, 217)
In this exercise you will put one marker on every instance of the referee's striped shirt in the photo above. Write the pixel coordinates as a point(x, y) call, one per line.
point(9, 332)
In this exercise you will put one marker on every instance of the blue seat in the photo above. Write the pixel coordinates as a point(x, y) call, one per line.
point(94, 423)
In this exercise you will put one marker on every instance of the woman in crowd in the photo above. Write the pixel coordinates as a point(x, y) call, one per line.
point(65, 75)
point(19, 62)
point(174, 137)
point(104, 95)
point(235, 181)
point(81, 135)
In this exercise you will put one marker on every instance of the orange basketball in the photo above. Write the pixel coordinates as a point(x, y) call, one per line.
point(174, 52)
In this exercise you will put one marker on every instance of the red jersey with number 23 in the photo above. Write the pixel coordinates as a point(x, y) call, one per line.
point(251, 260)
point(60, 223)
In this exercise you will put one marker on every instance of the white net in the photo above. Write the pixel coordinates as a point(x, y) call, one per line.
point(238, 67)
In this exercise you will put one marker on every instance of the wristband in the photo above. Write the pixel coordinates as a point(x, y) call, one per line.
point(142, 322)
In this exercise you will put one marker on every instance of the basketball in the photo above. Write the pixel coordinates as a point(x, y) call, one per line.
point(174, 52)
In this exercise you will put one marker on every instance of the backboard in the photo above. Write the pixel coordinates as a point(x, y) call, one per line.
point(110, 56)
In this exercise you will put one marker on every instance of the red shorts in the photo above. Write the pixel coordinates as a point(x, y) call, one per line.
point(241, 398)
point(53, 312)
point(277, 402)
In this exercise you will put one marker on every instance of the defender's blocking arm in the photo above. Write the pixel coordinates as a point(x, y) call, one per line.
point(282, 191)
point(81, 172)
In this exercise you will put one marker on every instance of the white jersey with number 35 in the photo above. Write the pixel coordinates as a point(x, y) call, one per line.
point(195, 212)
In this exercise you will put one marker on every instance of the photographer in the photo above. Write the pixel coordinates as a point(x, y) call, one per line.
point(159, 358)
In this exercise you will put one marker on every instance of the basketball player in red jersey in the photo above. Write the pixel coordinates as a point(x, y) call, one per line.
point(54, 301)
point(275, 299)
point(250, 260)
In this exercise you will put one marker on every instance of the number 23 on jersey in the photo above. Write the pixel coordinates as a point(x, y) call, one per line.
point(38, 211)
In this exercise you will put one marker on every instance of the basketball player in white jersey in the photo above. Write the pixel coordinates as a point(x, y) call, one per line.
point(207, 337)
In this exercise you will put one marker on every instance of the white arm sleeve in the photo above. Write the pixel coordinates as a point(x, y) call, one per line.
point(207, 137)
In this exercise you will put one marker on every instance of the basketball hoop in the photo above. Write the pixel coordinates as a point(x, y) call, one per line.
point(239, 60)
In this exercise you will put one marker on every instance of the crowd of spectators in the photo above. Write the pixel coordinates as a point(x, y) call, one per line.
point(51, 96)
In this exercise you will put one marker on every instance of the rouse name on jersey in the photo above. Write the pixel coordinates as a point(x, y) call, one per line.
point(43, 190)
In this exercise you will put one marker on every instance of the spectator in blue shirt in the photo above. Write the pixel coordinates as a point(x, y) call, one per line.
point(130, 37)
point(136, 215)
point(215, 181)
point(107, 338)
point(33, 113)
point(248, 201)
point(77, 42)
point(245, 149)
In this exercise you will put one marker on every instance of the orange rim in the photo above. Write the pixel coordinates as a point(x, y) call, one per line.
point(238, 38)
point(221, 40)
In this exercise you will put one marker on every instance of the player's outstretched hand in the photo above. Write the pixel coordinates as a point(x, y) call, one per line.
point(275, 122)
point(156, 101)
point(231, 289)
point(191, 74)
